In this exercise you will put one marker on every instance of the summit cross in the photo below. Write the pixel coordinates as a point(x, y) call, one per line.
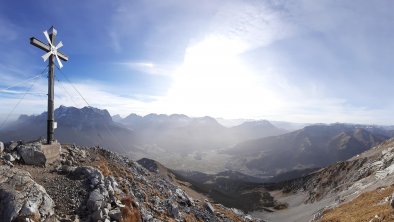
point(51, 52)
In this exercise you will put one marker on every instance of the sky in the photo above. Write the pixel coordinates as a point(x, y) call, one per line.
point(302, 61)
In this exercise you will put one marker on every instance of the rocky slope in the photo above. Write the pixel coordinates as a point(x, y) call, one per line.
point(330, 191)
point(229, 188)
point(311, 147)
point(93, 184)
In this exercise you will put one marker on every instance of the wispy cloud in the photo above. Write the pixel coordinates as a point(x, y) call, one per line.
point(254, 23)
point(149, 67)
point(96, 94)
point(8, 31)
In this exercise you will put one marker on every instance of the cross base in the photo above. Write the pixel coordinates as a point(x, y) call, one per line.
point(51, 151)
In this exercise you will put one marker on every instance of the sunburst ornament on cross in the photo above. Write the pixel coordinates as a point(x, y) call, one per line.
point(51, 53)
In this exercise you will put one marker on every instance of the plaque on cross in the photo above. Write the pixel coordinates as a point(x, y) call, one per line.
point(52, 52)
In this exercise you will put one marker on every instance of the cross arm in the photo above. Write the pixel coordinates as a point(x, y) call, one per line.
point(46, 48)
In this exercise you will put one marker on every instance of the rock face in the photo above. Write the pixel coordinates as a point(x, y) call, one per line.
point(21, 197)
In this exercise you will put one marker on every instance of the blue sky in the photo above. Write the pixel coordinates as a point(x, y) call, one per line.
point(301, 61)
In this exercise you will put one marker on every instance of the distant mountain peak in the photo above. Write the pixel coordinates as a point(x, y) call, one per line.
point(257, 123)
point(206, 120)
point(117, 118)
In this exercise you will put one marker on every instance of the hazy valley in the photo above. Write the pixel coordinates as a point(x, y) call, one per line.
point(255, 166)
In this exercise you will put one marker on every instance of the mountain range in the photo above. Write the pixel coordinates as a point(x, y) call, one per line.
point(255, 148)
point(162, 137)
point(87, 126)
point(314, 173)
point(184, 134)
point(312, 147)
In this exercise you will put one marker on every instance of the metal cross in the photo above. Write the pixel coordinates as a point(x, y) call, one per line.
point(52, 52)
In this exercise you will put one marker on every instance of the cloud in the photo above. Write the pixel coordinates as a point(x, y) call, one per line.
point(8, 31)
point(149, 67)
point(287, 102)
point(96, 94)
point(254, 23)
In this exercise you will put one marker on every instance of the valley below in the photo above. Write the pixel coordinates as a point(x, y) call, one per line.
point(270, 173)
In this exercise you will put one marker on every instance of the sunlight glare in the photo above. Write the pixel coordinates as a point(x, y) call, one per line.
point(213, 80)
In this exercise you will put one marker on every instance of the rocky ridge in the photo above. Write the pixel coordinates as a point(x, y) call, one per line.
point(93, 184)
point(312, 197)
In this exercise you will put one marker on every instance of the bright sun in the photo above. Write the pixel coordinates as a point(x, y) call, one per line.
point(213, 80)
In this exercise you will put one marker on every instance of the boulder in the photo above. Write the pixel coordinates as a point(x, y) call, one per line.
point(95, 201)
point(21, 197)
point(97, 215)
point(209, 207)
point(10, 146)
point(392, 200)
point(1, 147)
point(9, 157)
point(184, 198)
point(248, 218)
point(39, 154)
point(64, 169)
point(16, 155)
point(94, 175)
point(31, 155)
point(173, 210)
point(115, 214)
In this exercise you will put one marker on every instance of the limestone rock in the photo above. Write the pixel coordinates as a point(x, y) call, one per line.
point(10, 146)
point(392, 200)
point(1, 147)
point(21, 197)
point(115, 214)
point(9, 157)
point(97, 215)
point(94, 175)
point(184, 198)
point(173, 210)
point(95, 201)
point(31, 155)
point(209, 207)
point(16, 155)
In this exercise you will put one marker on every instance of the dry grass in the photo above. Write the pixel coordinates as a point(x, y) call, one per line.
point(191, 218)
point(228, 213)
point(130, 214)
point(363, 208)
point(102, 165)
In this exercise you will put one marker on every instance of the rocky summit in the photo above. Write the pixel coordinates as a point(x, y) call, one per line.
point(93, 184)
